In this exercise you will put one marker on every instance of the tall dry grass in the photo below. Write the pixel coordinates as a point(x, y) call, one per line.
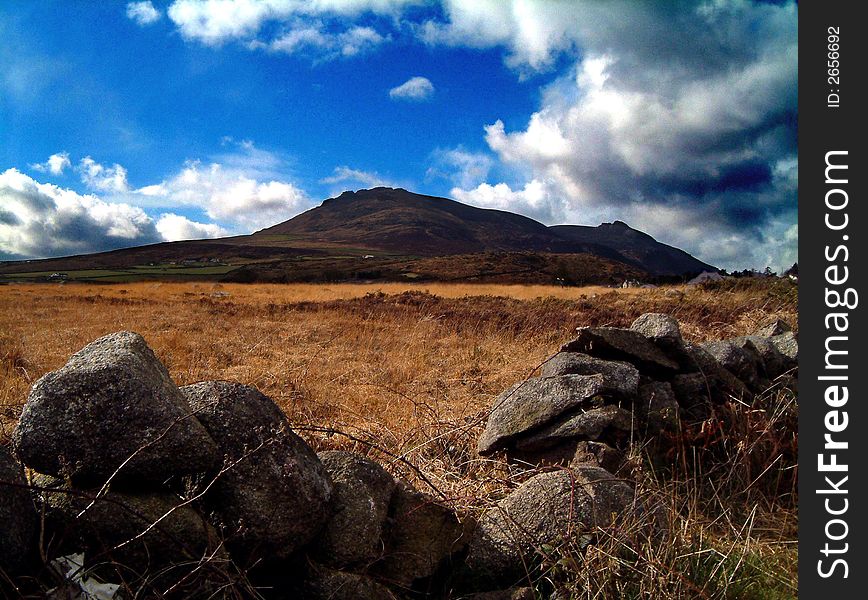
point(405, 373)
point(366, 355)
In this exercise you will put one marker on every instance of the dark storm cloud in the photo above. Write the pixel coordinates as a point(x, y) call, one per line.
point(682, 108)
point(7, 218)
point(748, 176)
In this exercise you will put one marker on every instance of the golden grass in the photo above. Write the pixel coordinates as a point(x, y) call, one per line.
point(311, 292)
point(341, 352)
point(403, 372)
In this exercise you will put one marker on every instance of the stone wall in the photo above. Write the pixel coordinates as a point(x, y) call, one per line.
point(188, 490)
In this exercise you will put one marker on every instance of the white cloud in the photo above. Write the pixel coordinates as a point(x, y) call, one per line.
point(368, 179)
point(300, 38)
point(465, 169)
point(415, 88)
point(533, 31)
point(214, 22)
point(101, 178)
point(322, 28)
point(143, 13)
point(358, 39)
point(253, 204)
point(243, 192)
point(534, 200)
point(238, 192)
point(40, 219)
point(174, 227)
point(314, 39)
point(664, 122)
point(691, 227)
point(55, 164)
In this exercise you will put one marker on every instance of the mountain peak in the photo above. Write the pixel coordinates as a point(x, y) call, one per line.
point(386, 232)
point(365, 192)
point(399, 222)
point(616, 225)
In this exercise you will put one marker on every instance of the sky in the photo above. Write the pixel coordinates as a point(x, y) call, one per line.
point(126, 123)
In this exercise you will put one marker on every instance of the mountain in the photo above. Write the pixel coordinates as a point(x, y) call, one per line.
point(635, 246)
point(396, 220)
point(391, 234)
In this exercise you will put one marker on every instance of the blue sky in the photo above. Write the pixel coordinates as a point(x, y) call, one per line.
point(124, 123)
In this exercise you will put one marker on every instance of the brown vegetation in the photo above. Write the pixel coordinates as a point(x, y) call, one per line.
point(406, 374)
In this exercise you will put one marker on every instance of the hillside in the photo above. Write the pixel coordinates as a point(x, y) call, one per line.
point(396, 220)
point(635, 246)
point(390, 234)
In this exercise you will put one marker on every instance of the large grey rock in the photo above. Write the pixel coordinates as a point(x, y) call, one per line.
point(742, 360)
point(353, 536)
point(583, 425)
point(663, 330)
point(322, 583)
point(775, 364)
point(550, 508)
point(619, 378)
point(18, 518)
point(276, 495)
point(623, 344)
point(422, 537)
point(658, 407)
point(534, 403)
point(659, 327)
point(788, 345)
point(696, 395)
point(611, 496)
point(776, 327)
point(708, 384)
point(160, 528)
point(113, 403)
point(719, 384)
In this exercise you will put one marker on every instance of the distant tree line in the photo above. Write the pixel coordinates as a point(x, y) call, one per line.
point(767, 272)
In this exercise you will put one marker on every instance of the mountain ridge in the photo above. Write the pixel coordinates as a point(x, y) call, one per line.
point(392, 210)
point(391, 233)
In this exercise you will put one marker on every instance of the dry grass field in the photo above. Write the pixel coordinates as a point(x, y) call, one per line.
point(406, 373)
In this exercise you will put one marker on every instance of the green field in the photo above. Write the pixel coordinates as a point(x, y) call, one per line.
point(134, 273)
